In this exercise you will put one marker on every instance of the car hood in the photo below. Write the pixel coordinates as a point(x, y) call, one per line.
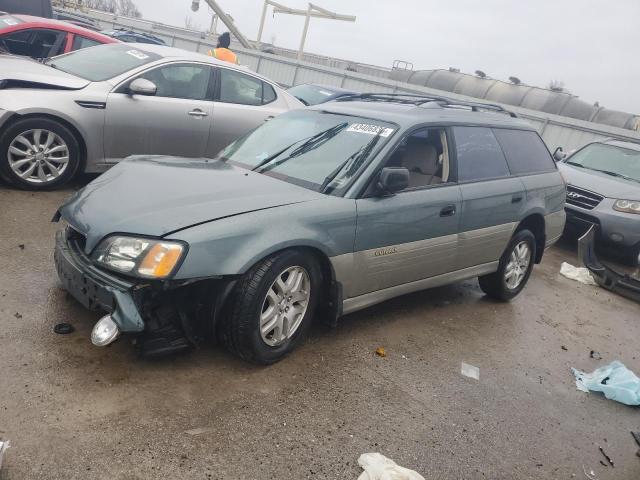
point(597, 182)
point(157, 196)
point(24, 72)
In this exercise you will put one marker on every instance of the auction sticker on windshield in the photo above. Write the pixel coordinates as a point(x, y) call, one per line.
point(138, 54)
point(370, 129)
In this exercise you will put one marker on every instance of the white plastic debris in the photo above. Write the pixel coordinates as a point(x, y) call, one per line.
point(579, 274)
point(3, 446)
point(378, 467)
point(615, 380)
point(470, 371)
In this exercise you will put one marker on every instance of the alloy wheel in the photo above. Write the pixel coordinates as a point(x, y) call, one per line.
point(518, 265)
point(38, 156)
point(285, 305)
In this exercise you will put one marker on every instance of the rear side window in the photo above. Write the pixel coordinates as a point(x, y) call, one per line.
point(525, 151)
point(236, 87)
point(479, 154)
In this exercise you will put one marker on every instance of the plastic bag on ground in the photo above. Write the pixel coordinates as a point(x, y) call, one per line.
point(615, 380)
point(3, 446)
point(378, 467)
point(579, 274)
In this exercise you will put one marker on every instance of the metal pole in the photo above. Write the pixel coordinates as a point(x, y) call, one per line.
point(262, 20)
point(230, 25)
point(304, 33)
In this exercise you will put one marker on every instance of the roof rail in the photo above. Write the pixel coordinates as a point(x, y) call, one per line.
point(415, 99)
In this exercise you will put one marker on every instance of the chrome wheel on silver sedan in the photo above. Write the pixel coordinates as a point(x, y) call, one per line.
point(39, 153)
point(518, 265)
point(38, 156)
point(285, 305)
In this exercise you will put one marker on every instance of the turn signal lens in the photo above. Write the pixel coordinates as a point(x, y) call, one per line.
point(627, 206)
point(160, 260)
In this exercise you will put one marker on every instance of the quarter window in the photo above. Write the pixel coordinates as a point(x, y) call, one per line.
point(83, 42)
point(236, 87)
point(181, 81)
point(479, 155)
point(525, 151)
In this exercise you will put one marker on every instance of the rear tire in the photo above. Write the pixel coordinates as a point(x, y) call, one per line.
point(39, 154)
point(267, 319)
point(514, 268)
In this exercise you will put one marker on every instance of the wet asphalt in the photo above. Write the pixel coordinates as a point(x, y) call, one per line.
point(74, 411)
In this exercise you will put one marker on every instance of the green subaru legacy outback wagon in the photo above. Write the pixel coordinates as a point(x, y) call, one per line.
point(317, 213)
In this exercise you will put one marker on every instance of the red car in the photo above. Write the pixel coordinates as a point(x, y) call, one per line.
point(43, 38)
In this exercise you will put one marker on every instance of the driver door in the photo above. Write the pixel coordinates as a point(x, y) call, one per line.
point(176, 121)
point(413, 234)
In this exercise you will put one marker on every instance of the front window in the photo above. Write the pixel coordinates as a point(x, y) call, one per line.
point(102, 62)
point(317, 150)
point(608, 159)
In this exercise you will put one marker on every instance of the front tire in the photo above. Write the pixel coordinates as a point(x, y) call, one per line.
point(514, 268)
point(272, 307)
point(38, 154)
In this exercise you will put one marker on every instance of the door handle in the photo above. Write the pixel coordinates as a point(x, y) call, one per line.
point(270, 117)
point(198, 113)
point(516, 199)
point(448, 211)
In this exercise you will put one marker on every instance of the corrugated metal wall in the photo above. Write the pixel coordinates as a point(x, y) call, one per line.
point(555, 130)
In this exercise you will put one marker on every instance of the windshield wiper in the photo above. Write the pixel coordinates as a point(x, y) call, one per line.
point(613, 174)
point(311, 143)
point(575, 164)
point(362, 153)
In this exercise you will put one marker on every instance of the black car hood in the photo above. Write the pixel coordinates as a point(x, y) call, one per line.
point(156, 196)
point(601, 183)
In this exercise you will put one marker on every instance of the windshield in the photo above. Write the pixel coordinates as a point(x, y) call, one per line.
point(609, 159)
point(311, 95)
point(102, 62)
point(317, 150)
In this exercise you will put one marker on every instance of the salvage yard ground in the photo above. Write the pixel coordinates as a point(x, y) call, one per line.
point(74, 411)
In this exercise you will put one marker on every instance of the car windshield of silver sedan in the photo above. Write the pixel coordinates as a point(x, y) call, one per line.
point(317, 150)
point(102, 62)
point(609, 159)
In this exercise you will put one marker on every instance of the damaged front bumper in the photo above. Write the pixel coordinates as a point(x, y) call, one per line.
point(167, 316)
point(623, 284)
point(96, 289)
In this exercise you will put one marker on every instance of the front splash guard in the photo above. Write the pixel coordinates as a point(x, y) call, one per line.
point(607, 278)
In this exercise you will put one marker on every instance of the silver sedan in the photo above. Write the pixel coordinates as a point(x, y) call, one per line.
point(87, 110)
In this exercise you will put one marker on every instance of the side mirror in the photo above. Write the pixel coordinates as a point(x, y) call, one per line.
point(142, 86)
point(559, 154)
point(393, 180)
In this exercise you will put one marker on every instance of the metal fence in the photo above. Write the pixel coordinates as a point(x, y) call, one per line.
point(554, 129)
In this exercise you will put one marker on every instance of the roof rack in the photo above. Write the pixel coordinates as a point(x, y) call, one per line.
point(415, 99)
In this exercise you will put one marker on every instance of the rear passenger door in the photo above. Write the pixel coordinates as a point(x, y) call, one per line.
point(492, 199)
point(243, 102)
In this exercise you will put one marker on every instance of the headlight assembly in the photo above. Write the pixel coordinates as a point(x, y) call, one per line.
point(142, 257)
point(627, 206)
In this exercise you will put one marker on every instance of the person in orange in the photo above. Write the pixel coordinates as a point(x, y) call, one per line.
point(222, 52)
